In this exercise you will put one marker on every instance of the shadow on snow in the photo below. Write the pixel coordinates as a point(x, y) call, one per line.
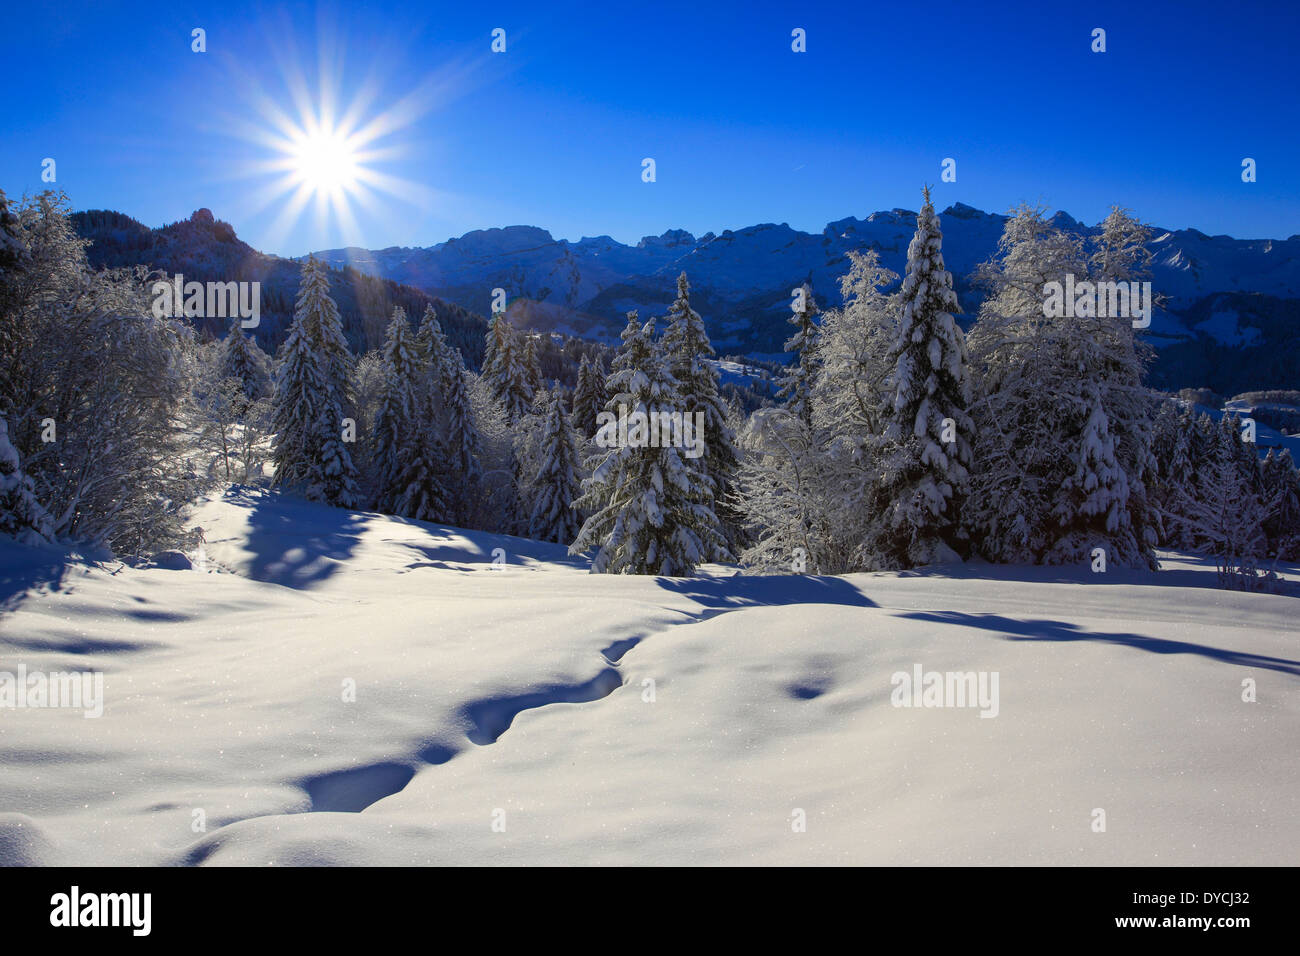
point(296, 543)
point(1038, 630)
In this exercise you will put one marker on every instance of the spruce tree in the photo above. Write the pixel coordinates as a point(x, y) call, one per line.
point(395, 432)
point(21, 515)
point(796, 386)
point(1226, 519)
point(431, 343)
point(417, 482)
point(326, 328)
point(1171, 449)
point(926, 447)
point(242, 359)
point(687, 351)
point(598, 388)
point(1281, 487)
point(433, 373)
point(463, 448)
point(588, 400)
point(651, 510)
point(509, 376)
point(492, 345)
point(301, 400)
point(424, 495)
point(311, 387)
point(532, 365)
point(557, 481)
point(1093, 505)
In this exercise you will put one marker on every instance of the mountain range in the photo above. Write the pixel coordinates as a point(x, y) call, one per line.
point(1231, 322)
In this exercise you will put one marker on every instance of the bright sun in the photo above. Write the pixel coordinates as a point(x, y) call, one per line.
point(325, 161)
point(326, 158)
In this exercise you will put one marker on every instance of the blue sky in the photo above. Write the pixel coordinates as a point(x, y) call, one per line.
point(552, 132)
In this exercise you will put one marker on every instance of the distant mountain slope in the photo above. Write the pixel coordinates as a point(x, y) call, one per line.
point(206, 249)
point(762, 260)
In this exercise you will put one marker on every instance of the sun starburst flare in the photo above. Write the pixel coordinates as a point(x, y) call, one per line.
point(324, 155)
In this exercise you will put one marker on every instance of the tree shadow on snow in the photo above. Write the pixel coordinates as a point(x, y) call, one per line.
point(297, 543)
point(1014, 630)
point(1196, 571)
point(743, 590)
point(461, 549)
point(24, 569)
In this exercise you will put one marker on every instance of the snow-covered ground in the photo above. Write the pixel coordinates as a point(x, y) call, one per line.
point(530, 713)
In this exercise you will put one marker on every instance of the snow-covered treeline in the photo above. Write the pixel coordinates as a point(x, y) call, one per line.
point(895, 441)
point(903, 443)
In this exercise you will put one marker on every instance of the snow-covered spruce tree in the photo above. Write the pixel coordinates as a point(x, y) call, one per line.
point(92, 386)
point(1205, 449)
point(686, 350)
point(496, 506)
point(1243, 453)
point(431, 345)
point(369, 383)
point(433, 380)
point(651, 510)
point(1097, 494)
point(462, 444)
point(557, 484)
point(526, 438)
point(1039, 378)
point(395, 430)
point(599, 388)
point(507, 373)
point(429, 337)
point(796, 385)
point(1281, 487)
point(21, 515)
point(244, 360)
point(1206, 441)
point(321, 314)
point(1226, 518)
point(532, 365)
point(1171, 449)
point(595, 399)
point(424, 495)
point(925, 449)
point(420, 484)
point(301, 397)
point(492, 345)
point(587, 400)
point(309, 449)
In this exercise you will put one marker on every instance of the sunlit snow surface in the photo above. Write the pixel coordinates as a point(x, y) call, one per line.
point(501, 716)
